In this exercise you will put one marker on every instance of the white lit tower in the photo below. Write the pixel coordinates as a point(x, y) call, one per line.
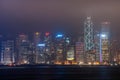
point(105, 42)
point(88, 40)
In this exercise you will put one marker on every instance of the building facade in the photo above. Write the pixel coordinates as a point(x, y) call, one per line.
point(7, 53)
point(105, 42)
point(22, 45)
point(88, 40)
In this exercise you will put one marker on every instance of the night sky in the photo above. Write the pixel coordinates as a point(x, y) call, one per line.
point(18, 16)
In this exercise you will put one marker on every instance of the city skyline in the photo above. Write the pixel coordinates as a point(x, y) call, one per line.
point(92, 47)
point(60, 39)
point(40, 29)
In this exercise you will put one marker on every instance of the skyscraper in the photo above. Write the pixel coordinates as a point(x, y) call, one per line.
point(22, 45)
point(88, 40)
point(7, 54)
point(70, 54)
point(97, 46)
point(105, 42)
point(79, 49)
point(36, 41)
point(60, 48)
point(69, 50)
point(48, 46)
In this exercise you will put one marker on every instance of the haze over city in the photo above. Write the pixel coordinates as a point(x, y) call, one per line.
point(29, 16)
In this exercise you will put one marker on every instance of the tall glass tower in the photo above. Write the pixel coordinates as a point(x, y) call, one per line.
point(88, 40)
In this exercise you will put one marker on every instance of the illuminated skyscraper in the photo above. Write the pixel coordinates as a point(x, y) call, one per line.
point(47, 40)
point(70, 54)
point(7, 54)
point(22, 45)
point(60, 48)
point(104, 42)
point(88, 40)
point(115, 51)
point(79, 47)
point(36, 41)
point(48, 46)
point(69, 50)
point(97, 46)
point(40, 58)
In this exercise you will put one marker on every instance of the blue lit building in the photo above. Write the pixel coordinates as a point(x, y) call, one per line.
point(62, 47)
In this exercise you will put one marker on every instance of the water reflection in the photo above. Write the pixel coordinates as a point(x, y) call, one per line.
point(104, 72)
point(61, 72)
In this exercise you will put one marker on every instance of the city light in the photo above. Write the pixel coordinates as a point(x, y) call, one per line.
point(81, 62)
point(47, 34)
point(37, 33)
point(25, 61)
point(41, 45)
point(89, 63)
point(103, 35)
point(59, 36)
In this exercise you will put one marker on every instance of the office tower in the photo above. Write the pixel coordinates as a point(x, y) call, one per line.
point(22, 45)
point(60, 48)
point(31, 53)
point(97, 46)
point(48, 46)
point(69, 50)
point(114, 51)
point(40, 58)
point(7, 53)
point(36, 41)
point(70, 54)
point(79, 49)
point(88, 40)
point(104, 42)
point(39, 48)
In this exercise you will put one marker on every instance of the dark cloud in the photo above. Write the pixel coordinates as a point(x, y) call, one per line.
point(34, 15)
